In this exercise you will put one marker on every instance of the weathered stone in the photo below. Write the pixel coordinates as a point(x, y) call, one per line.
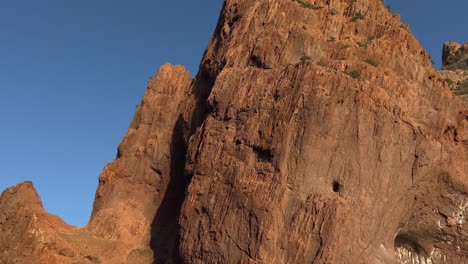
point(27, 233)
point(314, 132)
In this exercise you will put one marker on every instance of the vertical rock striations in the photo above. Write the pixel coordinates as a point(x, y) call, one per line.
point(314, 132)
point(140, 193)
point(330, 140)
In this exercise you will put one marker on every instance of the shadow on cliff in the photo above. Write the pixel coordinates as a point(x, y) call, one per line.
point(164, 229)
point(165, 234)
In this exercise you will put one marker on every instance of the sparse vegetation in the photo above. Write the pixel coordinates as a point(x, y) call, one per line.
point(321, 63)
point(462, 65)
point(305, 58)
point(355, 74)
point(308, 5)
point(344, 46)
point(79, 236)
point(463, 88)
point(357, 16)
point(141, 255)
point(372, 62)
point(451, 58)
point(449, 81)
point(333, 12)
point(363, 44)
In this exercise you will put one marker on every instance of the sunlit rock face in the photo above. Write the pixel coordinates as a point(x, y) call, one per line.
point(314, 132)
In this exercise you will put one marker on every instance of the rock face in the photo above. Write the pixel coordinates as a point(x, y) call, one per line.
point(314, 132)
point(455, 68)
point(28, 233)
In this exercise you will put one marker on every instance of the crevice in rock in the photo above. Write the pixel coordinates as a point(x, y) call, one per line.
point(257, 62)
point(156, 170)
point(234, 20)
point(244, 251)
point(451, 132)
point(165, 233)
point(164, 229)
point(213, 107)
point(202, 90)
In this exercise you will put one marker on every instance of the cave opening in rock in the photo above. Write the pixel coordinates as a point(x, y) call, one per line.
point(336, 187)
point(409, 251)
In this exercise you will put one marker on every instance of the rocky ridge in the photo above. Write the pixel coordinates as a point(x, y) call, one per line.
point(314, 132)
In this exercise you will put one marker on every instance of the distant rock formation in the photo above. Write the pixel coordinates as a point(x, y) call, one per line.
point(455, 55)
point(314, 132)
point(455, 67)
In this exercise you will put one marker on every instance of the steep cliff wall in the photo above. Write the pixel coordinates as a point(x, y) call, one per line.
point(331, 140)
point(314, 132)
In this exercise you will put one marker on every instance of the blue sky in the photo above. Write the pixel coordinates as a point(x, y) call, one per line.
point(72, 73)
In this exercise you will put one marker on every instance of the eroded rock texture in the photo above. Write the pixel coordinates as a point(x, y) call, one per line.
point(28, 233)
point(314, 132)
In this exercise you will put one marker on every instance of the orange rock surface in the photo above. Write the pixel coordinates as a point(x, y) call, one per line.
point(314, 132)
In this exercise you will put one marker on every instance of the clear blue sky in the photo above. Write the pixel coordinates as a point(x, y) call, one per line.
point(72, 72)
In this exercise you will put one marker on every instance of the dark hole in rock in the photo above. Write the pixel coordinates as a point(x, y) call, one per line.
point(263, 155)
point(336, 186)
point(234, 20)
point(213, 106)
point(257, 62)
point(276, 96)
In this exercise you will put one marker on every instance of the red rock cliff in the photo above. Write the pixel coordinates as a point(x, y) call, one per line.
point(314, 132)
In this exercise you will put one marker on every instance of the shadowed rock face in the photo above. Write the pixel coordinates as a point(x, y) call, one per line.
point(314, 132)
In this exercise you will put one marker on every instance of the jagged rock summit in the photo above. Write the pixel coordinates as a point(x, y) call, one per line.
point(314, 132)
point(455, 55)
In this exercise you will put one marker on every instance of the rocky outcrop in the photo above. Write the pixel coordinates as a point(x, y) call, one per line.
point(31, 235)
point(455, 68)
point(28, 233)
point(147, 174)
point(314, 132)
point(455, 55)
